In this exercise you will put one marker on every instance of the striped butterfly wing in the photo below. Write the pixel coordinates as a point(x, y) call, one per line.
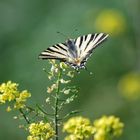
point(87, 43)
point(74, 50)
point(58, 51)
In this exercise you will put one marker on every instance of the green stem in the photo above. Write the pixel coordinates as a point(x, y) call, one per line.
point(26, 118)
point(43, 111)
point(56, 105)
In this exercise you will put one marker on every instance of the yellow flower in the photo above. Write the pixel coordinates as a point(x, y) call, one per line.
point(107, 127)
point(24, 95)
point(79, 128)
point(72, 137)
point(20, 101)
point(8, 87)
point(40, 131)
point(110, 21)
point(33, 138)
point(9, 92)
point(129, 85)
point(19, 105)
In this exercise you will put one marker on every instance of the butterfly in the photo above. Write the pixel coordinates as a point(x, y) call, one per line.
point(75, 52)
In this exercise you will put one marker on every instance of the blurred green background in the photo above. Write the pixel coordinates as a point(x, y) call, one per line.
point(29, 26)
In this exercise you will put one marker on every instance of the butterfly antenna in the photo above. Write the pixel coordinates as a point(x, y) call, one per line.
point(66, 35)
point(88, 71)
point(62, 34)
point(74, 31)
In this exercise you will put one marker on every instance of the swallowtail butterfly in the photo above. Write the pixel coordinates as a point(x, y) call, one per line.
point(75, 52)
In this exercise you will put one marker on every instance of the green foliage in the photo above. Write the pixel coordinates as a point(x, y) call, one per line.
point(43, 125)
point(27, 27)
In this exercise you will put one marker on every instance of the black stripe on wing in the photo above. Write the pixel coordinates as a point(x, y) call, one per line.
point(55, 51)
point(85, 37)
point(102, 39)
point(58, 51)
point(84, 41)
point(91, 36)
point(95, 40)
point(90, 42)
point(81, 41)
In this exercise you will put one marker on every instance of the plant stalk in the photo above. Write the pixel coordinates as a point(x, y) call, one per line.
point(24, 116)
point(56, 105)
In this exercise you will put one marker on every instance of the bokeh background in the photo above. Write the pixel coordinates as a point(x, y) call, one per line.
point(29, 26)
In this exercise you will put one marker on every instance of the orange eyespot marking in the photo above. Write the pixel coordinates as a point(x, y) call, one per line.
point(77, 61)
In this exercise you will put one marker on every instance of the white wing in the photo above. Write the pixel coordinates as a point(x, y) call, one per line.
point(76, 49)
point(58, 51)
point(87, 43)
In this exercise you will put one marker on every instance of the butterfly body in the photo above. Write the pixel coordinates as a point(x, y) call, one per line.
point(75, 52)
point(73, 55)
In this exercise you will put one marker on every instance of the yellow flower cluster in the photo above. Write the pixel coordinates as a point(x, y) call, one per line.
point(9, 92)
point(129, 86)
point(107, 127)
point(108, 21)
point(79, 128)
point(40, 131)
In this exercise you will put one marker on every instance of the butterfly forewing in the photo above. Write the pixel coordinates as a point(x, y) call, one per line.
point(79, 49)
point(58, 51)
point(88, 43)
point(91, 41)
